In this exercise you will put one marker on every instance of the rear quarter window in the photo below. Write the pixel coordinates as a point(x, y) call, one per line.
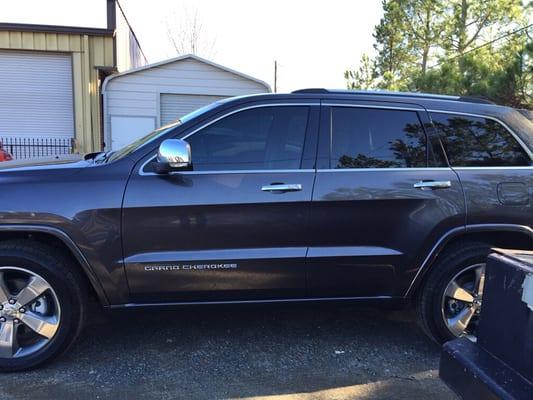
point(478, 142)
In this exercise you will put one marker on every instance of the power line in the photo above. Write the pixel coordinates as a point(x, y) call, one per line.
point(483, 45)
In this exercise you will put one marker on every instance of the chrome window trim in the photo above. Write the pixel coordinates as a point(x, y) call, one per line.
point(493, 168)
point(298, 104)
point(422, 169)
point(225, 172)
point(384, 169)
point(465, 229)
point(513, 133)
point(401, 108)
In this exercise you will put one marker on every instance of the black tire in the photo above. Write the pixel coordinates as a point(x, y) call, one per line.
point(429, 298)
point(64, 278)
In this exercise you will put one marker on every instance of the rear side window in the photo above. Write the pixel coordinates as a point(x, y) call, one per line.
point(478, 142)
point(376, 138)
point(259, 138)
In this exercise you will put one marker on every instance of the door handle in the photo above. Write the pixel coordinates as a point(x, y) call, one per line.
point(431, 185)
point(282, 187)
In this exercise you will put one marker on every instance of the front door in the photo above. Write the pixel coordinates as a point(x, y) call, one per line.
point(383, 197)
point(234, 228)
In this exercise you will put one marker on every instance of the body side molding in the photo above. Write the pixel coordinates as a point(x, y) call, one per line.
point(466, 229)
point(71, 245)
point(260, 301)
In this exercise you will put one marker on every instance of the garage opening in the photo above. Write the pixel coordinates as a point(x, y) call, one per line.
point(36, 103)
point(174, 106)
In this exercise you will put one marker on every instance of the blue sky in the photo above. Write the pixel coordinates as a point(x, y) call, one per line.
point(314, 41)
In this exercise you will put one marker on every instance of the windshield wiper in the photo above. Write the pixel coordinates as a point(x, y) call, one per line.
point(99, 157)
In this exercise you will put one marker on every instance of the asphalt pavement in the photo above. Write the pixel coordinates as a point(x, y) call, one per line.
point(283, 352)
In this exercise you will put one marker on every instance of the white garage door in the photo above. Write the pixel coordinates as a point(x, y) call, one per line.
point(36, 95)
point(174, 106)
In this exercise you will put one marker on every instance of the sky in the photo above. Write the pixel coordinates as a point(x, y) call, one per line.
point(313, 41)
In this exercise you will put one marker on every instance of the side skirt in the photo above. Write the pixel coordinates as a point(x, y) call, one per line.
point(378, 300)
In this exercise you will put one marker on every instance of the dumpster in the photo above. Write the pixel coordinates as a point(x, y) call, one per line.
point(499, 365)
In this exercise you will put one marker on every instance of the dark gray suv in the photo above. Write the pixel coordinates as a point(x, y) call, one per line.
point(320, 195)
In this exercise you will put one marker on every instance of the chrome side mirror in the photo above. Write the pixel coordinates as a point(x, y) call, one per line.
point(173, 155)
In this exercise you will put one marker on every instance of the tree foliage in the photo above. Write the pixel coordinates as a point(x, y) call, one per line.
point(463, 47)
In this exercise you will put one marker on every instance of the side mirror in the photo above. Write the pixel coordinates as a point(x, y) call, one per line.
point(173, 155)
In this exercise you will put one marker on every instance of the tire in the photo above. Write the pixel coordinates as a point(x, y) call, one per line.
point(429, 301)
point(65, 295)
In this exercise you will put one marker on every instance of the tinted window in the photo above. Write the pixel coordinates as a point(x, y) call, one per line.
point(259, 138)
point(474, 141)
point(373, 138)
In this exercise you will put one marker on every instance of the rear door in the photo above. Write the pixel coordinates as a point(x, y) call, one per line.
point(234, 228)
point(494, 168)
point(383, 197)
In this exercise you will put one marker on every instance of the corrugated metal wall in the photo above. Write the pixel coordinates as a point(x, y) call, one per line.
point(88, 52)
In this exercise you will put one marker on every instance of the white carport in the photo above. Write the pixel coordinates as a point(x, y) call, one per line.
point(139, 100)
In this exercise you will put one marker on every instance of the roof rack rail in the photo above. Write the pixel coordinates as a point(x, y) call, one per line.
point(312, 90)
point(466, 99)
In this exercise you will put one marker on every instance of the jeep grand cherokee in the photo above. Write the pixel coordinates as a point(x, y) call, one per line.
point(320, 195)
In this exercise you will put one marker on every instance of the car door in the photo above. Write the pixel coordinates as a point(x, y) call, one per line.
point(236, 226)
point(383, 197)
point(494, 168)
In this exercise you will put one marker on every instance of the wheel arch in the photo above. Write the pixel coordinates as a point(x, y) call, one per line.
point(495, 235)
point(61, 240)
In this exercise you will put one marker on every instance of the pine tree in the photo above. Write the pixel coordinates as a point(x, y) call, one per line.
point(452, 46)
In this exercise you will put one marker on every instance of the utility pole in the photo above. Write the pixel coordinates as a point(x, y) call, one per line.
point(275, 76)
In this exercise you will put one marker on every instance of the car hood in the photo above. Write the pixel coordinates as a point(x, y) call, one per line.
point(55, 162)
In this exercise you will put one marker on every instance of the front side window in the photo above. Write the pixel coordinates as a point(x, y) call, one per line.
point(376, 138)
point(475, 141)
point(255, 139)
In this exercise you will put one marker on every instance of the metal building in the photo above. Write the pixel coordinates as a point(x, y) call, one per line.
point(139, 100)
point(50, 78)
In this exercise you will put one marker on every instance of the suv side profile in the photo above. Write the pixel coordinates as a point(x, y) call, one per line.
point(389, 198)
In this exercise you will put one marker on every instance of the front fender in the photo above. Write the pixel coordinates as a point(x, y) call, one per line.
point(72, 247)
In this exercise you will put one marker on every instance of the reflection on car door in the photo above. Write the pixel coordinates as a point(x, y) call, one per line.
point(494, 168)
point(383, 197)
point(234, 228)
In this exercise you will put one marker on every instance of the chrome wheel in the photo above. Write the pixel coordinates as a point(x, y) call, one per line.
point(29, 312)
point(461, 302)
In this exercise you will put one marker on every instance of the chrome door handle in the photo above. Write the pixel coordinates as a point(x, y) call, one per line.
point(430, 185)
point(291, 187)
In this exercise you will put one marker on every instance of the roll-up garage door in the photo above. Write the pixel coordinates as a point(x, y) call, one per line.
point(174, 106)
point(36, 95)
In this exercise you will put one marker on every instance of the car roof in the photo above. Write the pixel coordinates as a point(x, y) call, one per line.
point(390, 93)
point(426, 100)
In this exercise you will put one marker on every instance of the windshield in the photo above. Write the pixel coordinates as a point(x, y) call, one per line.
point(130, 148)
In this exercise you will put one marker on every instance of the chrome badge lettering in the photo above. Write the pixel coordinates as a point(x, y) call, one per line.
point(189, 267)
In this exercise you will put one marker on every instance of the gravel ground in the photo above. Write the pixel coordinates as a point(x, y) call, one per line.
point(242, 352)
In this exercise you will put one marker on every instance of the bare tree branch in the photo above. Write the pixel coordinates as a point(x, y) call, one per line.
point(187, 35)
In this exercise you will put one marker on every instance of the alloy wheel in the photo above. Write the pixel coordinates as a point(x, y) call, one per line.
point(461, 301)
point(29, 312)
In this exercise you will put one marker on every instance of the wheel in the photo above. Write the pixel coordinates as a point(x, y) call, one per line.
point(449, 302)
point(42, 304)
